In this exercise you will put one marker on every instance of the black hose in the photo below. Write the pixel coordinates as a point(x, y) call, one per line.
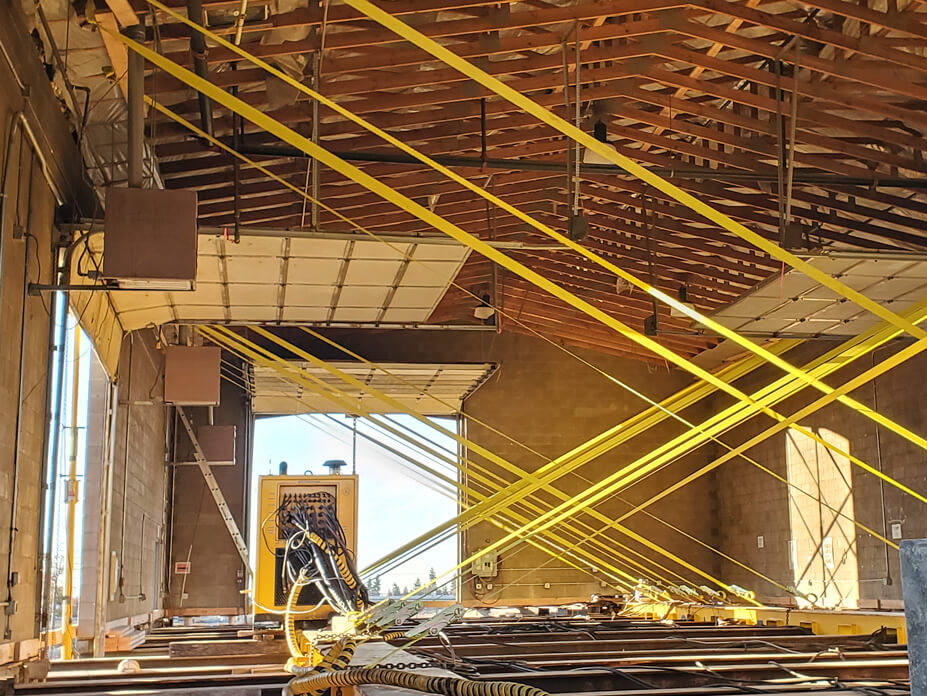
point(445, 686)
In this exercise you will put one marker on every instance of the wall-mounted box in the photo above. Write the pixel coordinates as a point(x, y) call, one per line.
point(191, 375)
point(217, 443)
point(149, 238)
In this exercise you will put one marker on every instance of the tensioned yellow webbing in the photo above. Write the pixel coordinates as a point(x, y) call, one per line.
point(423, 392)
point(854, 383)
point(410, 206)
point(530, 106)
point(350, 379)
point(559, 494)
point(395, 404)
point(920, 313)
point(383, 397)
point(292, 137)
point(570, 508)
point(743, 341)
point(622, 432)
point(238, 343)
point(503, 524)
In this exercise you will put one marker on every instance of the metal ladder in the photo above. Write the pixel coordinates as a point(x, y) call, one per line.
point(213, 487)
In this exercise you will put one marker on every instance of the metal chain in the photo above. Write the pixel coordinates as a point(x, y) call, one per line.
point(427, 664)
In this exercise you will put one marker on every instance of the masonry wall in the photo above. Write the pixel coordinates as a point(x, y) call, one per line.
point(140, 480)
point(21, 260)
point(754, 504)
point(551, 402)
point(217, 574)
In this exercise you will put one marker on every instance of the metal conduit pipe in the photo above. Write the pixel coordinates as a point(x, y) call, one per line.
point(200, 65)
point(558, 167)
point(136, 102)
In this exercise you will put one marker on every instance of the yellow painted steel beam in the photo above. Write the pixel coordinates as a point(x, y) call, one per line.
point(743, 341)
point(545, 116)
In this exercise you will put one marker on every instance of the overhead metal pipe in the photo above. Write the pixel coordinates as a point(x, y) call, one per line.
point(558, 167)
point(136, 103)
point(198, 50)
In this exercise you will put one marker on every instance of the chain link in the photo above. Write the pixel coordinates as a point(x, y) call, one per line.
point(427, 664)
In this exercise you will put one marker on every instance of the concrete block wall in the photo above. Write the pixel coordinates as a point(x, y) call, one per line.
point(751, 503)
point(140, 480)
point(198, 533)
point(36, 214)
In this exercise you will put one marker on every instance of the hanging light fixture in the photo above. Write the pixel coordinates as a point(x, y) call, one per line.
point(484, 310)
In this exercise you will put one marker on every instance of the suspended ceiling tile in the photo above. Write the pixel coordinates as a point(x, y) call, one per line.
point(430, 274)
point(253, 314)
point(318, 248)
point(127, 301)
point(379, 250)
point(885, 268)
point(362, 296)
point(403, 316)
point(207, 245)
point(207, 269)
point(441, 252)
point(309, 295)
point(200, 313)
point(313, 271)
point(368, 272)
point(252, 295)
point(138, 318)
point(412, 298)
point(256, 246)
point(253, 269)
point(204, 294)
point(838, 311)
point(307, 314)
point(783, 287)
point(360, 314)
point(885, 290)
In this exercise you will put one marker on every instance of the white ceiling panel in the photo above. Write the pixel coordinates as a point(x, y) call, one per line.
point(379, 250)
point(430, 274)
point(356, 314)
point(309, 295)
point(250, 295)
point(363, 296)
point(313, 271)
point(327, 280)
point(406, 316)
point(795, 305)
point(451, 383)
point(253, 269)
point(370, 272)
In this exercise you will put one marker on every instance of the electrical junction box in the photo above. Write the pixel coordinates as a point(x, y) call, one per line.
point(217, 443)
point(270, 596)
point(486, 566)
point(192, 375)
point(149, 238)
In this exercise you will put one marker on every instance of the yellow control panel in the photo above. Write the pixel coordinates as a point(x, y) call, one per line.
point(270, 587)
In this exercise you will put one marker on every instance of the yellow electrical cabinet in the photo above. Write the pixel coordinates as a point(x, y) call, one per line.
point(275, 493)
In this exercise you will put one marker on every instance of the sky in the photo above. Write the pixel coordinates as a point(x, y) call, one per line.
point(394, 506)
